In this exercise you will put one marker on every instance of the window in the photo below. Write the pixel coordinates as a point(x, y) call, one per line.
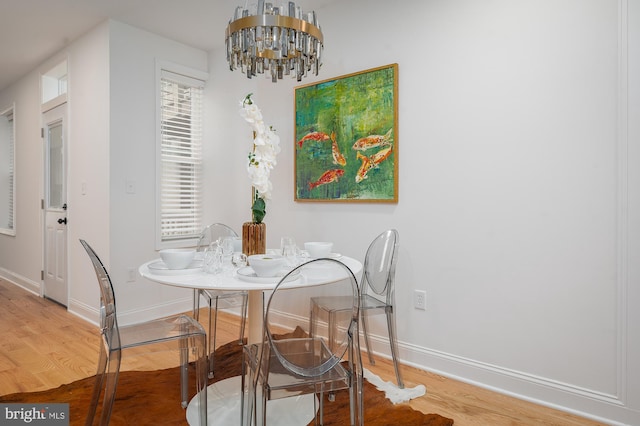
point(7, 172)
point(180, 158)
point(53, 86)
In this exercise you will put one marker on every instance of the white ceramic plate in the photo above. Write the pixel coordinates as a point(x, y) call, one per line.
point(331, 256)
point(159, 268)
point(248, 274)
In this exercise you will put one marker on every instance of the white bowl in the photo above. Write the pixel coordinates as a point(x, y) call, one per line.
point(266, 265)
point(177, 258)
point(318, 249)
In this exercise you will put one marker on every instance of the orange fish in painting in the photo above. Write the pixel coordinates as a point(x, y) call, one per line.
point(373, 141)
point(364, 167)
point(370, 162)
point(313, 136)
point(327, 177)
point(338, 158)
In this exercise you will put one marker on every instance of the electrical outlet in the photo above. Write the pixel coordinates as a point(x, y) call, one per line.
point(131, 275)
point(420, 299)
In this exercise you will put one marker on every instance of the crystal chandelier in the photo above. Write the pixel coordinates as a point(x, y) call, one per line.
point(276, 40)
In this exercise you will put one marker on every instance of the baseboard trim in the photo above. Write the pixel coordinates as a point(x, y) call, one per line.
point(588, 403)
point(31, 286)
point(84, 311)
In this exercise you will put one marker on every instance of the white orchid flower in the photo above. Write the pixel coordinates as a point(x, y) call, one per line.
point(266, 146)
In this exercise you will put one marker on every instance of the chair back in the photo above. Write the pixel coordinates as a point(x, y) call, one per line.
point(289, 306)
point(380, 265)
point(108, 317)
point(212, 233)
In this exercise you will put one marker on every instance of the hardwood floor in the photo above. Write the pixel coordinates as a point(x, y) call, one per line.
point(43, 346)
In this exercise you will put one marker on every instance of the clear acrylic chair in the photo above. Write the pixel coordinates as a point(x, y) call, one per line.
point(210, 234)
point(378, 278)
point(190, 334)
point(293, 359)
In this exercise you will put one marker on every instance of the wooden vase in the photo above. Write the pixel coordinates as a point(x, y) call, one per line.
point(254, 238)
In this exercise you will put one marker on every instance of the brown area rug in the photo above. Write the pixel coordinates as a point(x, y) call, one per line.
point(153, 398)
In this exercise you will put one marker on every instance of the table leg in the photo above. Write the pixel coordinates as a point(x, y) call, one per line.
point(255, 316)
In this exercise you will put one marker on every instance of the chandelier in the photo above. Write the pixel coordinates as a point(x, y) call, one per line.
point(275, 40)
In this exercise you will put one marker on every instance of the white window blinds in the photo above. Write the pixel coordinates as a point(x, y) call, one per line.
point(12, 146)
point(180, 156)
point(7, 172)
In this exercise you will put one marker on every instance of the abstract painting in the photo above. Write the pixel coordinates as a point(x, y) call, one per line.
point(346, 138)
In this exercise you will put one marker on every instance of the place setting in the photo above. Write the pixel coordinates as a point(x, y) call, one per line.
point(176, 262)
point(272, 266)
point(223, 259)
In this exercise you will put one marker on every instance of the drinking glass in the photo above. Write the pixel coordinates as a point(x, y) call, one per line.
point(226, 243)
point(239, 260)
point(237, 244)
point(289, 250)
point(213, 259)
point(226, 246)
point(303, 256)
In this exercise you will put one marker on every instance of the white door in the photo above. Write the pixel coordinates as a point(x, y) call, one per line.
point(55, 205)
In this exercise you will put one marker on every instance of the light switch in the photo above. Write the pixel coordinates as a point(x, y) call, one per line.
point(131, 186)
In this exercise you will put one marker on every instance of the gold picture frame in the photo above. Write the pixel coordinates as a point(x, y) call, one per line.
point(346, 138)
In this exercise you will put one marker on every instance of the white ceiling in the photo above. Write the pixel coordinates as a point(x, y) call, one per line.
point(33, 30)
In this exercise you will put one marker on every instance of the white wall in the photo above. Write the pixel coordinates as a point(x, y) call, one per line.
point(516, 188)
point(112, 137)
point(89, 164)
point(132, 151)
point(519, 183)
point(629, 160)
point(21, 255)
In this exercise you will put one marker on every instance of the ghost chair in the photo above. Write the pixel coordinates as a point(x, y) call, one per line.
point(293, 360)
point(211, 234)
point(189, 334)
point(376, 293)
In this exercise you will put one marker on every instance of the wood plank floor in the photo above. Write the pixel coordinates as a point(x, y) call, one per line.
point(43, 346)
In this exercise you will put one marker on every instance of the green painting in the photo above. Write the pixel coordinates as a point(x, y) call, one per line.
point(346, 146)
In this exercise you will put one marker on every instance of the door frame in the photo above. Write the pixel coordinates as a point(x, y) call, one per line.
point(51, 117)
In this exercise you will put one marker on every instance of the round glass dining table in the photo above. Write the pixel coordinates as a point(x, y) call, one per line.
point(224, 397)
